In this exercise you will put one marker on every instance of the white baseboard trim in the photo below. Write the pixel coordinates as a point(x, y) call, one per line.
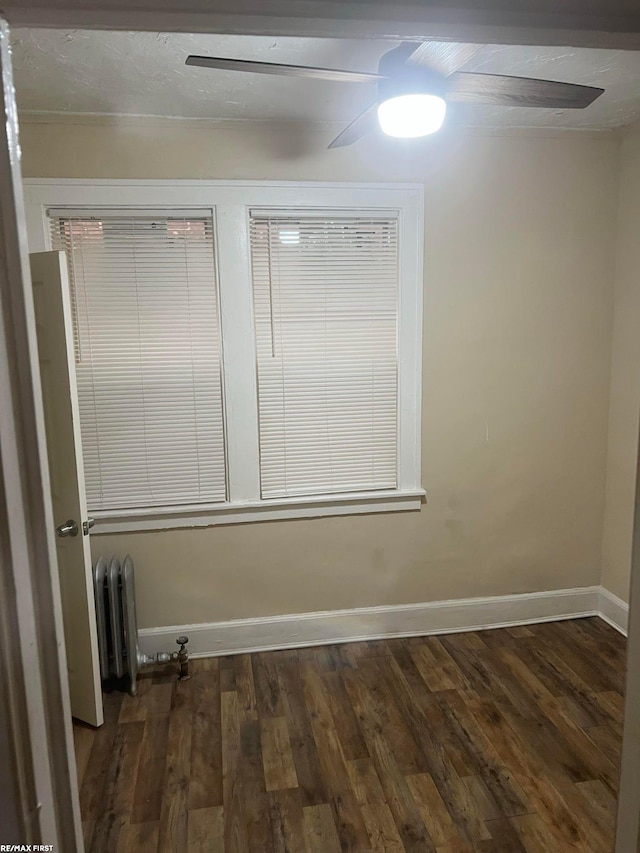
point(370, 623)
point(613, 610)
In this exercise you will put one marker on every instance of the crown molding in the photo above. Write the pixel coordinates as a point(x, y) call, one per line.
point(114, 120)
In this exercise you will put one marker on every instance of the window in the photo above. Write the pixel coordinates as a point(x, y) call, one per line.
point(147, 341)
point(243, 352)
point(326, 309)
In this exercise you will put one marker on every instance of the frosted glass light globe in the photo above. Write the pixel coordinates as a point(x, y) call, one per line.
point(410, 116)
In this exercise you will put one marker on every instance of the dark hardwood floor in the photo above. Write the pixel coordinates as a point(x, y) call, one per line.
point(499, 741)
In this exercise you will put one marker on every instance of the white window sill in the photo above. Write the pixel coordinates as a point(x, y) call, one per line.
point(167, 518)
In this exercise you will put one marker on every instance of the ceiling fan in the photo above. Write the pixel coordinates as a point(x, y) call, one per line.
point(416, 81)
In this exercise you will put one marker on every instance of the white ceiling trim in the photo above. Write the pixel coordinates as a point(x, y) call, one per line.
point(179, 123)
point(606, 23)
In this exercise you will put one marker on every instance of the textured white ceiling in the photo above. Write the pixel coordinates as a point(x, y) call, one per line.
point(144, 74)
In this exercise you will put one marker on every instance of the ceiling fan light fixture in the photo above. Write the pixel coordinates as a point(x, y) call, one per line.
point(412, 115)
point(414, 88)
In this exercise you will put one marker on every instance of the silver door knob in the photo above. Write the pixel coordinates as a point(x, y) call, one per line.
point(69, 528)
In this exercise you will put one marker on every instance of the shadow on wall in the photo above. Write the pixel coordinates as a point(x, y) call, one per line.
point(293, 141)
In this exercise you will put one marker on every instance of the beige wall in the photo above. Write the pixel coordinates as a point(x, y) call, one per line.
point(518, 314)
point(624, 410)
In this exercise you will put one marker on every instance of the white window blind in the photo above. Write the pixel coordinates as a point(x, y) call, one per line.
point(147, 341)
point(326, 314)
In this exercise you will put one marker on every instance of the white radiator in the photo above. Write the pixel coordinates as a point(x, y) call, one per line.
point(115, 597)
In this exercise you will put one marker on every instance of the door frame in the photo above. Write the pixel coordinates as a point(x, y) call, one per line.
point(33, 668)
point(608, 23)
point(43, 766)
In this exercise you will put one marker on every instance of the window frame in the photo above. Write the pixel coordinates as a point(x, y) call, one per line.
point(231, 202)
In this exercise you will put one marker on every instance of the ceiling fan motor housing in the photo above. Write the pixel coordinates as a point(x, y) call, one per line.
point(401, 79)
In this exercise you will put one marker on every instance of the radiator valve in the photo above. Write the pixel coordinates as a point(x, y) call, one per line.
point(183, 658)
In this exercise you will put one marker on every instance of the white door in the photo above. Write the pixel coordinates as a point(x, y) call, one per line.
point(62, 425)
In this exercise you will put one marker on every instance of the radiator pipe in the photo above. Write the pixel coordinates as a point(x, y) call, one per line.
point(183, 658)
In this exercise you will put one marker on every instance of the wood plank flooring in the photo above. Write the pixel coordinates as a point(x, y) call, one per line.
point(503, 741)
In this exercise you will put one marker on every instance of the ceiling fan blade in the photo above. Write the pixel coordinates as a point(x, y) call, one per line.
point(334, 74)
point(443, 56)
point(497, 90)
point(365, 123)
